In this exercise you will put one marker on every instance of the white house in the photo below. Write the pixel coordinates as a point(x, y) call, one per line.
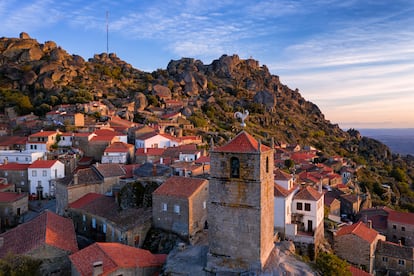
point(66, 139)
point(307, 209)
point(189, 155)
point(118, 152)
point(41, 141)
point(155, 140)
point(40, 174)
point(21, 157)
point(283, 207)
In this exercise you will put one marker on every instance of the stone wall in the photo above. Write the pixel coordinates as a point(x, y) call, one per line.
point(169, 220)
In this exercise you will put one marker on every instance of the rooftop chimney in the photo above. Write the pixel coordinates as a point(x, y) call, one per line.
point(97, 268)
point(370, 224)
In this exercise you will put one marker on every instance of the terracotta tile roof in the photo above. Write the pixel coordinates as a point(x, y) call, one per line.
point(359, 229)
point(129, 170)
point(103, 138)
point(109, 170)
point(242, 143)
point(119, 147)
point(42, 164)
point(281, 175)
point(12, 140)
point(114, 256)
point(358, 272)
point(308, 193)
point(179, 186)
point(279, 191)
point(149, 152)
point(106, 207)
point(107, 132)
point(85, 200)
point(43, 133)
point(11, 196)
point(14, 167)
point(174, 152)
point(203, 159)
point(47, 228)
point(147, 135)
point(395, 250)
point(401, 217)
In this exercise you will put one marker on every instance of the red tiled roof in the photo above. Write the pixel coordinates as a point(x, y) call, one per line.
point(85, 200)
point(11, 196)
point(359, 229)
point(358, 272)
point(281, 175)
point(43, 133)
point(308, 193)
point(119, 147)
point(401, 217)
point(203, 159)
point(12, 140)
point(47, 228)
point(180, 186)
point(114, 256)
point(105, 138)
point(40, 164)
point(279, 191)
point(14, 167)
point(149, 151)
point(242, 143)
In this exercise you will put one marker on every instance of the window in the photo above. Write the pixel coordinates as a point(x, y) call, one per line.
point(34, 173)
point(176, 208)
point(204, 204)
point(94, 223)
point(385, 259)
point(44, 173)
point(164, 207)
point(401, 262)
point(299, 205)
point(402, 228)
point(394, 226)
point(307, 207)
point(267, 164)
point(235, 167)
point(104, 228)
point(5, 173)
point(83, 218)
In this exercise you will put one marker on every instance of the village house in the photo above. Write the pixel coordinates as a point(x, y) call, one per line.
point(42, 141)
point(12, 206)
point(400, 227)
point(179, 205)
point(40, 176)
point(118, 152)
point(153, 155)
point(100, 218)
point(19, 156)
point(394, 259)
point(13, 143)
point(357, 243)
point(17, 174)
point(334, 207)
point(47, 237)
point(64, 118)
point(307, 218)
point(116, 259)
point(350, 204)
point(182, 168)
point(155, 140)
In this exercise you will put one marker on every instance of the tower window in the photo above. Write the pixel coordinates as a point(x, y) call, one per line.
point(235, 167)
point(267, 164)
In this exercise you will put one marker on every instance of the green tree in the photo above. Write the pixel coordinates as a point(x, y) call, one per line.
point(289, 163)
point(331, 265)
point(19, 265)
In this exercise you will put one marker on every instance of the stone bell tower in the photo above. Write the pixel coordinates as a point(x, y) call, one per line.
point(240, 205)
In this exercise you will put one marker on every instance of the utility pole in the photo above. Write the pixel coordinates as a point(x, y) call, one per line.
point(107, 32)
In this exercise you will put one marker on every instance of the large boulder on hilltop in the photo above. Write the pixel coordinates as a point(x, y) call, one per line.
point(141, 102)
point(268, 99)
point(161, 91)
point(32, 54)
point(29, 77)
point(24, 35)
point(225, 65)
point(48, 46)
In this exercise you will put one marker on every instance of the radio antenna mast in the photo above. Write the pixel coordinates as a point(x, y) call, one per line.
point(107, 32)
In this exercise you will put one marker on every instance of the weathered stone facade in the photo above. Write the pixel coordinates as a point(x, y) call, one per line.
point(394, 259)
point(240, 207)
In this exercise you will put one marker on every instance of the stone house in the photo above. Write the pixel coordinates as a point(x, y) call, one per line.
point(350, 204)
point(13, 143)
point(179, 205)
point(48, 237)
point(153, 155)
point(116, 259)
point(334, 207)
point(356, 244)
point(400, 227)
point(394, 259)
point(12, 206)
point(99, 217)
point(182, 168)
point(17, 174)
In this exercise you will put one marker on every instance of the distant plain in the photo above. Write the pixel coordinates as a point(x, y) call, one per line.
point(399, 140)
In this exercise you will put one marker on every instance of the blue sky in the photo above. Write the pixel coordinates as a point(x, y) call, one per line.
point(354, 59)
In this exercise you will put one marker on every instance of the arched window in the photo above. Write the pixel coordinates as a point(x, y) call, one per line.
point(235, 167)
point(267, 164)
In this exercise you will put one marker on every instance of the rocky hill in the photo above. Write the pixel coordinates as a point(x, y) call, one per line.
point(35, 76)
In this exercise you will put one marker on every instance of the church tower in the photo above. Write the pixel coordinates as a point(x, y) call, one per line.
point(240, 205)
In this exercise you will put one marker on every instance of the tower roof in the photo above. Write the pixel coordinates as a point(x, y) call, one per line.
point(242, 143)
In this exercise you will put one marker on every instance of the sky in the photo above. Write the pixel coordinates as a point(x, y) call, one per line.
point(353, 59)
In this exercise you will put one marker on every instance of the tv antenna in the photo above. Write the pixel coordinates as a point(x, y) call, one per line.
point(107, 32)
